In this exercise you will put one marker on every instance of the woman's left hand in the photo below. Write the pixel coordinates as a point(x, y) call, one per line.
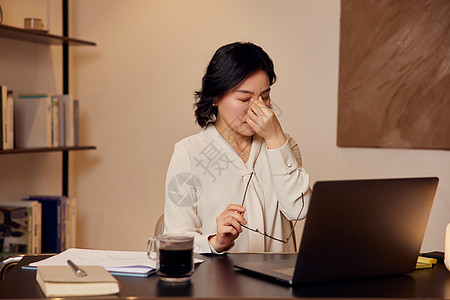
point(265, 123)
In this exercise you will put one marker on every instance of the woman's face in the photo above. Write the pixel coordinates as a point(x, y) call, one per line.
point(232, 107)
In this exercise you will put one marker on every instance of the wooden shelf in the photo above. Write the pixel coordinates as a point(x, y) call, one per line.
point(46, 149)
point(40, 37)
point(44, 38)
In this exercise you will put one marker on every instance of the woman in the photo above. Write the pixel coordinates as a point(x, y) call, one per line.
point(236, 185)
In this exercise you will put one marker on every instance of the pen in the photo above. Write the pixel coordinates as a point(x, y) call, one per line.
point(79, 271)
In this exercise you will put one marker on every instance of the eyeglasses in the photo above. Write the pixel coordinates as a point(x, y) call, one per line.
point(264, 233)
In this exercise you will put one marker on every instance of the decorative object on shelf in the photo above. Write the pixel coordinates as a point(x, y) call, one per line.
point(34, 24)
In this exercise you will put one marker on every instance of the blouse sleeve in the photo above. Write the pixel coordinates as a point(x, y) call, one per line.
point(181, 192)
point(290, 179)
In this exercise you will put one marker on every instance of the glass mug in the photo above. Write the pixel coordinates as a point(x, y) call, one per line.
point(174, 256)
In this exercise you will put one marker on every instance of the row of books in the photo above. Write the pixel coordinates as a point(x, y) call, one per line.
point(38, 120)
point(38, 224)
point(20, 228)
point(6, 118)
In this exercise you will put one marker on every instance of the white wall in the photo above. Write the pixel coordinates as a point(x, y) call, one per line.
point(136, 91)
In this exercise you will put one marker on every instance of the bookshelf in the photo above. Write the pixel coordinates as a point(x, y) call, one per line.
point(41, 37)
point(46, 149)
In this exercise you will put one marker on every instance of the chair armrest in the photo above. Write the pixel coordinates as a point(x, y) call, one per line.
point(7, 263)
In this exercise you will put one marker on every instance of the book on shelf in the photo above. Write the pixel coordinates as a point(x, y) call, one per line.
point(61, 123)
point(10, 121)
point(71, 223)
point(76, 122)
point(20, 228)
point(6, 118)
point(3, 97)
point(69, 119)
point(55, 122)
point(46, 120)
point(59, 281)
point(58, 222)
point(33, 115)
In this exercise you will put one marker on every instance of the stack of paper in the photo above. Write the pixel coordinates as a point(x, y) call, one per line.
point(425, 262)
point(128, 263)
point(131, 263)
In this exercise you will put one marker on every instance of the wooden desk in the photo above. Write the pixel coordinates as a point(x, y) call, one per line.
point(216, 278)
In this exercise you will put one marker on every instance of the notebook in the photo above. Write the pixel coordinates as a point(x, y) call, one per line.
point(62, 281)
point(355, 229)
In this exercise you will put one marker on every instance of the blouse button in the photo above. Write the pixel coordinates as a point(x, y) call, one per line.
point(289, 164)
point(197, 249)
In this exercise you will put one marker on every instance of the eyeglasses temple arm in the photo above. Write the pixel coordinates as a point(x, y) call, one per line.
point(265, 234)
point(246, 188)
point(296, 220)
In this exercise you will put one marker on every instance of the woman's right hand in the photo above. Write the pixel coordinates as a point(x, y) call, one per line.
point(228, 227)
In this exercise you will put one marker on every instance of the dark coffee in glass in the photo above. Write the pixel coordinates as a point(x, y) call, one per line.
point(174, 257)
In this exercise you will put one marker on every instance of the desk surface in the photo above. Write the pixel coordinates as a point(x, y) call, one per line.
point(216, 278)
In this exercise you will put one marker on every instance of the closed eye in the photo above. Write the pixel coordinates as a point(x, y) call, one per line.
point(265, 95)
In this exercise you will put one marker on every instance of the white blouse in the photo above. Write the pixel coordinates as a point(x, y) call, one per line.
point(206, 174)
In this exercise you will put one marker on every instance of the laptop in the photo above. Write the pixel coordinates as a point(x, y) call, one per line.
point(356, 229)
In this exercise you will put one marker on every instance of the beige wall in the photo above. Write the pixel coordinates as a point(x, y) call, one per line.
point(136, 91)
point(30, 68)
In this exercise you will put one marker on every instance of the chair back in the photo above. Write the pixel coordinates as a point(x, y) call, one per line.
point(159, 227)
point(7, 263)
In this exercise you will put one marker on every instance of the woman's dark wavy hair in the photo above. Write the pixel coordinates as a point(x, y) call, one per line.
point(229, 66)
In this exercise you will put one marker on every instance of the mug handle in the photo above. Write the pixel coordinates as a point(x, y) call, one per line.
point(150, 246)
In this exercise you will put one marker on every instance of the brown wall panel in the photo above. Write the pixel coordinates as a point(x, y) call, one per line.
point(394, 74)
